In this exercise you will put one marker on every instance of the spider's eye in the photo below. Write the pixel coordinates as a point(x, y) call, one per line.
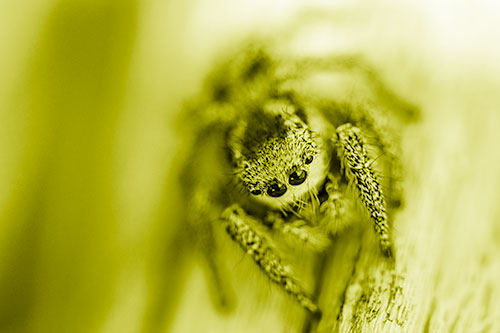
point(309, 159)
point(297, 177)
point(276, 190)
point(256, 192)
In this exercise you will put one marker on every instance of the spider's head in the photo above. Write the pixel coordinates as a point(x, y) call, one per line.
point(278, 158)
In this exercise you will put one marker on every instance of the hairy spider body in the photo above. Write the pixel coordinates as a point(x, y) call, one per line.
point(292, 162)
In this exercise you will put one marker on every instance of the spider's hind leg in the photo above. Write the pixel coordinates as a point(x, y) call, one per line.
point(357, 166)
point(237, 224)
point(200, 223)
point(221, 292)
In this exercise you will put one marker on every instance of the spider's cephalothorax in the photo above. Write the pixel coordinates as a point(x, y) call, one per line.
point(276, 155)
point(292, 155)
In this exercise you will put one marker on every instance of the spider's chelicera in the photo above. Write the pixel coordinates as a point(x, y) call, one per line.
point(289, 158)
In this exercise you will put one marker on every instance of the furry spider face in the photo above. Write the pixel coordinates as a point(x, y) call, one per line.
point(279, 158)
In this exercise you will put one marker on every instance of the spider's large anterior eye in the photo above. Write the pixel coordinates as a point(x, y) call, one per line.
point(309, 159)
point(297, 177)
point(256, 192)
point(276, 190)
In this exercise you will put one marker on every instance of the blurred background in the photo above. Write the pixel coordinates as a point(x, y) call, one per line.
point(88, 94)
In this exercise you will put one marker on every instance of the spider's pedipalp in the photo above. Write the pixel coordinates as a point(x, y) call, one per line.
point(357, 167)
point(333, 208)
point(299, 231)
point(234, 220)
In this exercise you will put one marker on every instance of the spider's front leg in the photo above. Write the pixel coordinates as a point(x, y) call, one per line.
point(237, 224)
point(357, 166)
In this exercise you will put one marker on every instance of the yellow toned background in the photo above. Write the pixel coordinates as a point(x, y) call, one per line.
point(88, 92)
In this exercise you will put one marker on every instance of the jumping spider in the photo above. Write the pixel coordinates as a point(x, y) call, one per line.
point(294, 160)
